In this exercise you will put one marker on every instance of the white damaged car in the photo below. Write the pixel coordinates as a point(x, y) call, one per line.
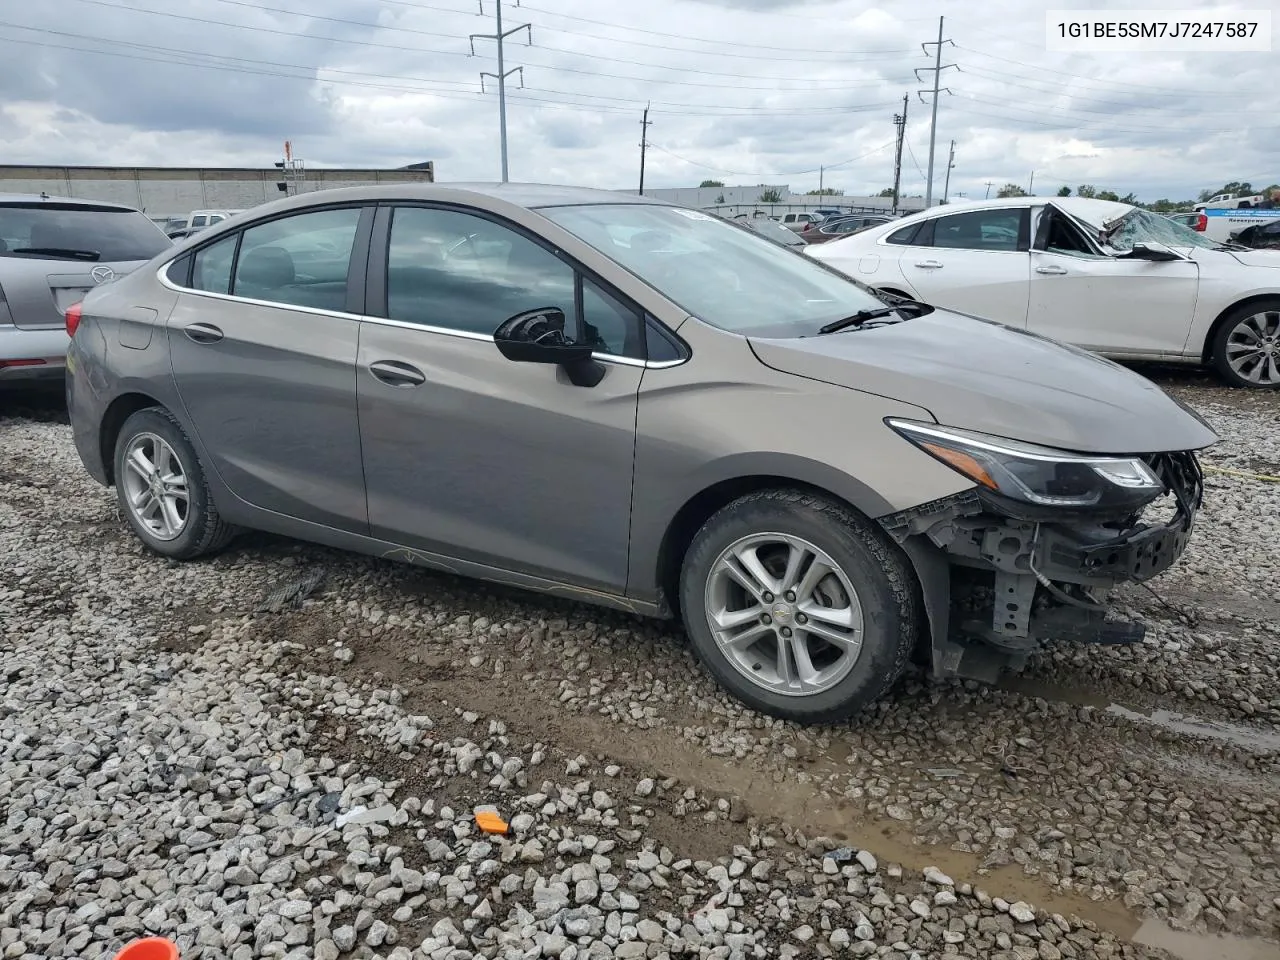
point(1109, 277)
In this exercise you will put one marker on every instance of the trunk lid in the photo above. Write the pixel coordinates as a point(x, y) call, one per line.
point(38, 292)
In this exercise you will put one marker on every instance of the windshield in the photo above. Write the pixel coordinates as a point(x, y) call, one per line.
point(730, 278)
point(112, 235)
point(1143, 226)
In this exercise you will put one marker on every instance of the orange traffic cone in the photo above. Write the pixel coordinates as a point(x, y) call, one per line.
point(149, 948)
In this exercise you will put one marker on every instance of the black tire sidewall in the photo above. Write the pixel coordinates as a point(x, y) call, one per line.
point(885, 588)
point(190, 542)
point(1219, 354)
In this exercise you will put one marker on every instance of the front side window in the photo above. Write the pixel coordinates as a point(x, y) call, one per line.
point(980, 230)
point(730, 278)
point(300, 260)
point(200, 221)
point(461, 272)
point(458, 271)
point(212, 270)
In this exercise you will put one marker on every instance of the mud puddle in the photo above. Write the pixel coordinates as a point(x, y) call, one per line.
point(770, 795)
point(1233, 733)
point(1194, 946)
point(1256, 739)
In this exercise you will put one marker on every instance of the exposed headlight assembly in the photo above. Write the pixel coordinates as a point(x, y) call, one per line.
point(1037, 475)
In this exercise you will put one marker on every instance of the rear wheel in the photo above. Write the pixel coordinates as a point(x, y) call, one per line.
point(161, 488)
point(1246, 348)
point(798, 606)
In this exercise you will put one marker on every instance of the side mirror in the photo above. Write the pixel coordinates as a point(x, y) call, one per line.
point(1151, 250)
point(537, 336)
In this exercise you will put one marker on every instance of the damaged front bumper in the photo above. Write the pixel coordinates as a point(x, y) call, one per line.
point(1001, 580)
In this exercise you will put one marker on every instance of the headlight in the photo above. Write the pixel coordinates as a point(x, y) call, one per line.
point(1038, 475)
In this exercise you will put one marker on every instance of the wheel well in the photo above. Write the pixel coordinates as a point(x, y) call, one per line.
point(1206, 353)
point(121, 409)
point(698, 510)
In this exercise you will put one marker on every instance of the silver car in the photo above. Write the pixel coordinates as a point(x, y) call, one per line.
point(634, 404)
point(52, 252)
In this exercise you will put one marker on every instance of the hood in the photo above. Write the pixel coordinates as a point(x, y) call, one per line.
point(1257, 258)
point(983, 376)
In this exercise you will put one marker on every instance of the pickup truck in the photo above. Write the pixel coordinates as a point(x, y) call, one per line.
point(196, 220)
point(1222, 217)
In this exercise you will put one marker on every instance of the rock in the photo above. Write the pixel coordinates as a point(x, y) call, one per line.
point(936, 876)
point(1022, 912)
point(867, 859)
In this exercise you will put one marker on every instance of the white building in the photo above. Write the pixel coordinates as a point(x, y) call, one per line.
point(161, 192)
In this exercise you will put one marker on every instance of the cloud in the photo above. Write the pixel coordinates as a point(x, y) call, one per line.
point(746, 91)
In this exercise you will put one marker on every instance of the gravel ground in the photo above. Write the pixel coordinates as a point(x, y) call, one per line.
point(302, 783)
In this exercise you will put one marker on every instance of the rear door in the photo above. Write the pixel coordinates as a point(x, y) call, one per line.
point(975, 262)
point(263, 344)
point(473, 456)
point(53, 253)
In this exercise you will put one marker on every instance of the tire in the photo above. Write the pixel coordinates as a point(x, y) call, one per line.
point(844, 678)
point(1254, 322)
point(156, 434)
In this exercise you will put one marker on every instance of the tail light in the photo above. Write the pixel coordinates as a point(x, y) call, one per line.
point(1202, 222)
point(73, 318)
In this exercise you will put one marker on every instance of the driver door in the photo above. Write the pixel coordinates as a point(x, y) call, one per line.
point(472, 456)
point(1118, 307)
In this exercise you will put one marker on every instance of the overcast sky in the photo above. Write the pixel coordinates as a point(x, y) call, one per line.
point(745, 91)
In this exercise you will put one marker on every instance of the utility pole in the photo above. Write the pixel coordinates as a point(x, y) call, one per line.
point(900, 121)
point(1031, 184)
point(989, 185)
point(644, 142)
point(501, 75)
point(951, 162)
point(821, 171)
point(937, 69)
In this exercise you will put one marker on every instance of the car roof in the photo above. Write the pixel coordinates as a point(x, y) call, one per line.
point(531, 196)
point(1092, 211)
point(28, 198)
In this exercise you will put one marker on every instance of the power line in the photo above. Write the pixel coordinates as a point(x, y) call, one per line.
point(1058, 90)
point(793, 173)
point(890, 54)
point(1040, 69)
point(771, 81)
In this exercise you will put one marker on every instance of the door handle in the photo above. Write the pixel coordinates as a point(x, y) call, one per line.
point(202, 332)
point(929, 264)
point(397, 374)
point(1051, 269)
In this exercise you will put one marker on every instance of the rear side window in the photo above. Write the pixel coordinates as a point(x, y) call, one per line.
point(301, 260)
point(904, 236)
point(64, 232)
point(212, 271)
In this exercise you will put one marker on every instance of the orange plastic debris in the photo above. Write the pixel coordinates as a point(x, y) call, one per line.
point(149, 948)
point(488, 820)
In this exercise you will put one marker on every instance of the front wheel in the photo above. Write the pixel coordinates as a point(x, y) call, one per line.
point(1246, 348)
point(798, 606)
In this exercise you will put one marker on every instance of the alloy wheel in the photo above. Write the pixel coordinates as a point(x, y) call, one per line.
point(784, 613)
point(155, 486)
point(1253, 348)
